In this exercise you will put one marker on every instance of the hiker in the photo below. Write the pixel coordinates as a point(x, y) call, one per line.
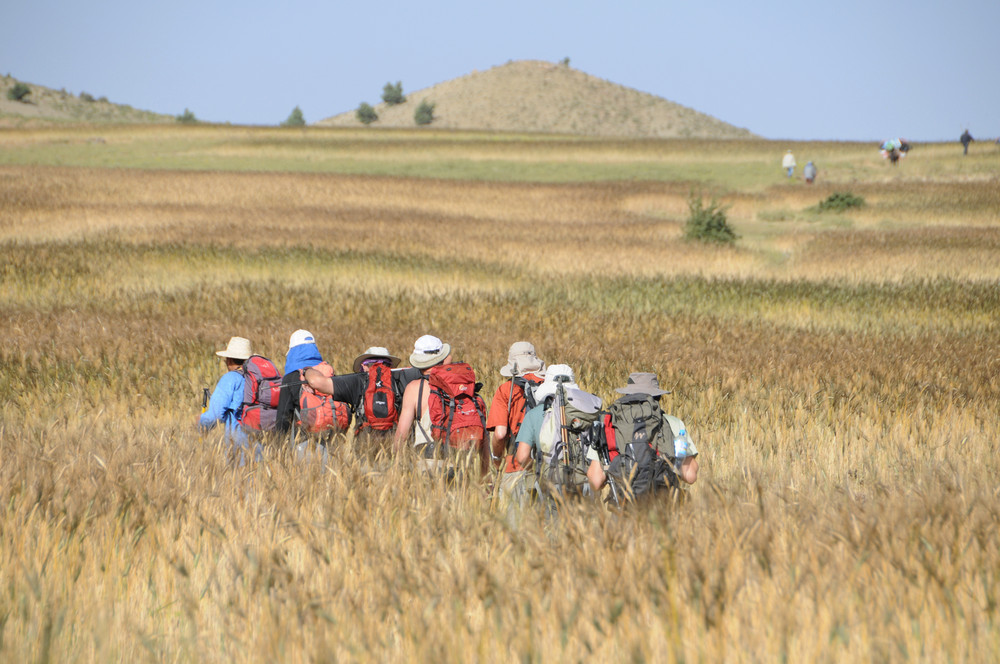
point(372, 391)
point(226, 402)
point(895, 149)
point(302, 354)
point(965, 139)
point(443, 409)
point(634, 419)
point(809, 172)
point(788, 163)
point(548, 442)
point(514, 397)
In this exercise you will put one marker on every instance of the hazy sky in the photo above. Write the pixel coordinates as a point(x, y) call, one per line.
point(852, 70)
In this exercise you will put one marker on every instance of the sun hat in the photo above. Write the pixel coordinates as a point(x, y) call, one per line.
point(300, 337)
point(641, 382)
point(521, 357)
point(238, 349)
point(375, 352)
point(553, 374)
point(428, 350)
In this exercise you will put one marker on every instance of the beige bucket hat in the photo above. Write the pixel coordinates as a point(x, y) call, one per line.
point(521, 359)
point(238, 349)
point(428, 351)
point(641, 382)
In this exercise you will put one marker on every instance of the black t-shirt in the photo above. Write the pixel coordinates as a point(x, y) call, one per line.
point(350, 388)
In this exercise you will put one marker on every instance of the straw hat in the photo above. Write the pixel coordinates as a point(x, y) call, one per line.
point(521, 357)
point(428, 351)
point(642, 382)
point(375, 352)
point(238, 349)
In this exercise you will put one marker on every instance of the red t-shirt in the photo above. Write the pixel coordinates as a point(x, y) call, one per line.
point(498, 415)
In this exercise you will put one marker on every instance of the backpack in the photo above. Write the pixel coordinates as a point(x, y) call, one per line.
point(318, 411)
point(528, 392)
point(458, 413)
point(639, 444)
point(261, 388)
point(379, 407)
point(562, 467)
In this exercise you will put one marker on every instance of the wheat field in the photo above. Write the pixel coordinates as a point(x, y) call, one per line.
point(839, 372)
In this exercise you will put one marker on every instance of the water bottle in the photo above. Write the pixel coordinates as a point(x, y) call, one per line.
point(682, 448)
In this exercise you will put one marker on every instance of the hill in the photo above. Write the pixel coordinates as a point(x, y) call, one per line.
point(46, 106)
point(538, 96)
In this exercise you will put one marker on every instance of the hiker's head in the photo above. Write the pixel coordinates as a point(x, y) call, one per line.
point(377, 353)
point(556, 375)
point(300, 337)
point(429, 351)
point(642, 382)
point(236, 353)
point(521, 359)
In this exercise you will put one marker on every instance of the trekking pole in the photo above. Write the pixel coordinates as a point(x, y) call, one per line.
point(563, 427)
point(510, 401)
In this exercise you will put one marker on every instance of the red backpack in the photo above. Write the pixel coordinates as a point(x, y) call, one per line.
point(261, 387)
point(318, 411)
point(379, 408)
point(458, 413)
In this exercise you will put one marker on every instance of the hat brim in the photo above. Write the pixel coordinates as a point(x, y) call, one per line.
point(425, 361)
point(393, 360)
point(636, 389)
point(232, 355)
point(525, 364)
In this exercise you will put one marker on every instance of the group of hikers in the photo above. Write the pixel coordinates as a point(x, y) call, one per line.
point(542, 433)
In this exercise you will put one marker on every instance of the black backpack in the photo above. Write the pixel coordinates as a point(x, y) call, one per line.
point(639, 446)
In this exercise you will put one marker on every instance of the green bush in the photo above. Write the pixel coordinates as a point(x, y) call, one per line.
point(86, 96)
point(708, 224)
point(18, 92)
point(366, 114)
point(393, 94)
point(187, 117)
point(840, 201)
point(295, 119)
point(424, 114)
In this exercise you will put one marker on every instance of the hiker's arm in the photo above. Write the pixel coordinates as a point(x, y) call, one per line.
point(407, 413)
point(523, 455)
point(220, 400)
point(596, 476)
point(499, 444)
point(689, 469)
point(318, 381)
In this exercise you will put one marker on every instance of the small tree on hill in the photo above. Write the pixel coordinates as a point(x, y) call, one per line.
point(187, 117)
point(393, 94)
point(424, 114)
point(366, 114)
point(708, 224)
point(86, 96)
point(18, 92)
point(295, 119)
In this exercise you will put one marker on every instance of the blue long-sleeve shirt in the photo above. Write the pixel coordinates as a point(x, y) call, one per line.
point(224, 405)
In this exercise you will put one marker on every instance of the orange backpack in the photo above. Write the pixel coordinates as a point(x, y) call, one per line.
point(458, 413)
point(318, 411)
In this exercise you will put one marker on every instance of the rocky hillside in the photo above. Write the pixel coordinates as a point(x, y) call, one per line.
point(45, 106)
point(536, 96)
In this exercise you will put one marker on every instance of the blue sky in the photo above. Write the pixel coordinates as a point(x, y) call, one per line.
point(852, 70)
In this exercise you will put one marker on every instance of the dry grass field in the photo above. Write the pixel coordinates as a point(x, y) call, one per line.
point(839, 372)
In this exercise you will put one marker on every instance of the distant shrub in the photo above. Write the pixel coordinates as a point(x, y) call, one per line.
point(104, 99)
point(840, 201)
point(187, 117)
point(295, 119)
point(86, 96)
point(424, 114)
point(393, 94)
point(708, 224)
point(366, 114)
point(18, 92)
point(565, 61)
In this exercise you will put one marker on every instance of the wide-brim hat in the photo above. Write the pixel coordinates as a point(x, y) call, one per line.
point(428, 351)
point(521, 359)
point(238, 349)
point(554, 375)
point(642, 382)
point(375, 352)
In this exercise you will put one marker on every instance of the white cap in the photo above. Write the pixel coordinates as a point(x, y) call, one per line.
point(300, 337)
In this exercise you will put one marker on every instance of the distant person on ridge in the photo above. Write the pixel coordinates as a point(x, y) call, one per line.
point(809, 172)
point(965, 139)
point(788, 163)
